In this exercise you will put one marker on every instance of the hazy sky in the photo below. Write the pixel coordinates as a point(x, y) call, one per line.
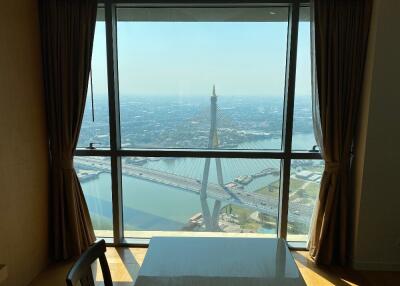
point(175, 58)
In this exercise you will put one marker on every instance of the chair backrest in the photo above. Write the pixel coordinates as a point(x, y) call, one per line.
point(81, 271)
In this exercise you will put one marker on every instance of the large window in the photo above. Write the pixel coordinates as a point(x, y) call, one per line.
point(172, 60)
point(198, 122)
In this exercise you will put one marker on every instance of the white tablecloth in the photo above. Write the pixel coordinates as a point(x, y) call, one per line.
point(202, 261)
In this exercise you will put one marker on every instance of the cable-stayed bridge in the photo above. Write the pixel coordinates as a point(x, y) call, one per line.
point(252, 200)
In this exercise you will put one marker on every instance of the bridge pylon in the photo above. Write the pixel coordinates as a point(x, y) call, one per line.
point(211, 219)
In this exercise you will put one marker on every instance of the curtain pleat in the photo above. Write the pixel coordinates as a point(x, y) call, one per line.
point(340, 32)
point(67, 30)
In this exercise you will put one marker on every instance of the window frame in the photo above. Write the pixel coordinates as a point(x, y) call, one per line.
point(115, 152)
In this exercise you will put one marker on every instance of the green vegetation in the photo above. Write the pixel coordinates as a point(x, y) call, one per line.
point(272, 190)
point(296, 184)
point(310, 188)
point(307, 188)
point(242, 213)
point(246, 222)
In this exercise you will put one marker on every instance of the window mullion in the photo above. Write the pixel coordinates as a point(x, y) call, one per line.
point(203, 153)
point(290, 80)
point(115, 138)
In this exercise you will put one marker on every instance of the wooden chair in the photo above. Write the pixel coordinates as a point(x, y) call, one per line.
point(81, 271)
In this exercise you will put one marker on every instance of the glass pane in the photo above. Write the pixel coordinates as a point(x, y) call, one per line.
point(303, 132)
point(95, 125)
point(164, 194)
point(305, 181)
point(95, 177)
point(189, 74)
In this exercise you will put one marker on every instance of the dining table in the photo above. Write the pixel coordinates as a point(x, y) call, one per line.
point(222, 261)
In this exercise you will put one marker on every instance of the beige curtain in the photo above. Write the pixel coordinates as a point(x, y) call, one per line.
point(67, 30)
point(340, 36)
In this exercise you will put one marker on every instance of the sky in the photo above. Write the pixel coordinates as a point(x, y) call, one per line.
point(187, 58)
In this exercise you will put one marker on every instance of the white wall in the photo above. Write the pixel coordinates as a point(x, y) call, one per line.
point(23, 147)
point(377, 225)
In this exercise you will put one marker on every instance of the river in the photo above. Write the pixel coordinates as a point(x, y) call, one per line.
point(151, 206)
